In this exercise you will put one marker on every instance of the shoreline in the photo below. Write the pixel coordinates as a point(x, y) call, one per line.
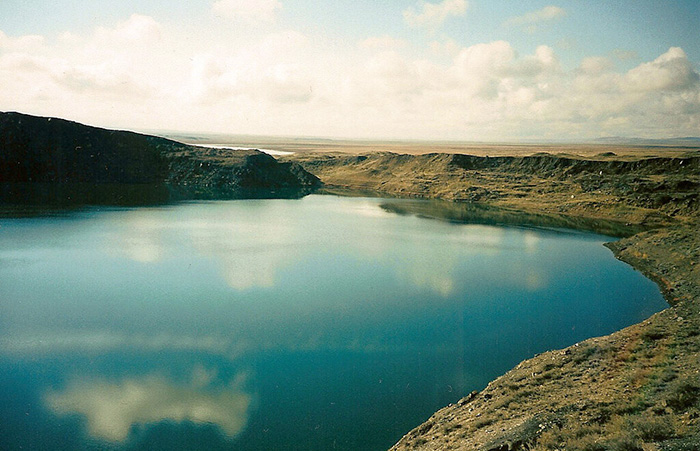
point(604, 391)
point(637, 388)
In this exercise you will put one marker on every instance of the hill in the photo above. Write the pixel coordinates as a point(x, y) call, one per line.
point(56, 151)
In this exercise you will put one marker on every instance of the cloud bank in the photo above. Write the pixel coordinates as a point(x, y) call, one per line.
point(140, 73)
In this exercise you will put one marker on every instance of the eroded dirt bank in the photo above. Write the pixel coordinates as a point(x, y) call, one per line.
point(637, 389)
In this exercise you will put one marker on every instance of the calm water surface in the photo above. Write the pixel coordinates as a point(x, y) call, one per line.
point(320, 323)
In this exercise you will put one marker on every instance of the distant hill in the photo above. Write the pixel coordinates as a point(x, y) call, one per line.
point(51, 150)
point(688, 141)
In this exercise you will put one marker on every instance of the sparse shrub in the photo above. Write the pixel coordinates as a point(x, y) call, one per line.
point(653, 334)
point(545, 377)
point(587, 443)
point(625, 355)
point(587, 431)
point(506, 400)
point(587, 353)
point(653, 429)
point(623, 444)
point(483, 423)
point(683, 394)
point(573, 437)
point(451, 427)
point(603, 416)
point(668, 375)
point(637, 406)
point(649, 354)
point(548, 367)
point(620, 435)
point(548, 440)
point(692, 332)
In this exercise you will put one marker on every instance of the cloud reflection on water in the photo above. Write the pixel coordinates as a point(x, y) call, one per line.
point(253, 246)
point(111, 408)
point(229, 237)
point(104, 341)
point(247, 244)
point(253, 243)
point(141, 240)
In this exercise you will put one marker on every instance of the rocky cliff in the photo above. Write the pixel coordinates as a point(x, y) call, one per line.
point(204, 173)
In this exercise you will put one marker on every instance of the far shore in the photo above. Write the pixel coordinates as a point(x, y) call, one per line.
point(320, 145)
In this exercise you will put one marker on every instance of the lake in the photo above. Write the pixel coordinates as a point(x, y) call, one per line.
point(319, 323)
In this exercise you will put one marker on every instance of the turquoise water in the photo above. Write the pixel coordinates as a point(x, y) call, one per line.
point(319, 323)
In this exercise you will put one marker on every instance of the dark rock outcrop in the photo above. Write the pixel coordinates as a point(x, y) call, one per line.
point(38, 150)
point(204, 173)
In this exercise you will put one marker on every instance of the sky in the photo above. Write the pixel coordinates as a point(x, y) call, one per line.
point(469, 70)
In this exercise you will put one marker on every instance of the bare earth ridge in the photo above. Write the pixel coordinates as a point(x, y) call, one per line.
point(637, 389)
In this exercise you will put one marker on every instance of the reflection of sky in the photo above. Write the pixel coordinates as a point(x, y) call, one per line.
point(235, 283)
point(251, 249)
point(248, 250)
point(47, 343)
point(112, 407)
point(141, 241)
point(258, 275)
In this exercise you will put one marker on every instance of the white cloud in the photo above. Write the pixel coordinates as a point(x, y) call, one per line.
point(22, 43)
point(490, 87)
point(117, 64)
point(215, 81)
point(530, 22)
point(268, 70)
point(250, 11)
point(595, 65)
point(432, 15)
point(669, 72)
point(111, 408)
point(484, 60)
point(448, 47)
point(140, 73)
point(137, 29)
point(544, 62)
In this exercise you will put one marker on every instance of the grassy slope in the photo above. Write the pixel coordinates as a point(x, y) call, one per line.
point(635, 389)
